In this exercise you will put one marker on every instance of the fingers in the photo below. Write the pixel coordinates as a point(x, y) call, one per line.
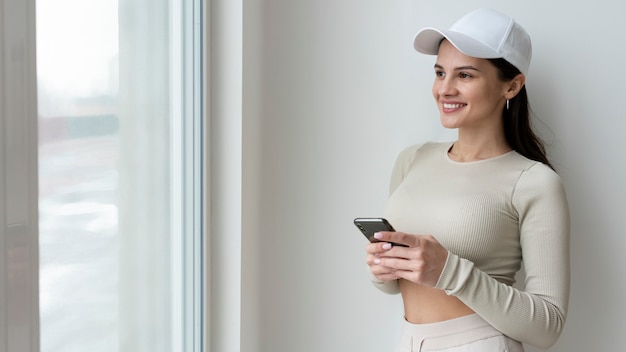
point(422, 262)
point(402, 238)
point(374, 251)
point(420, 271)
point(382, 273)
point(377, 247)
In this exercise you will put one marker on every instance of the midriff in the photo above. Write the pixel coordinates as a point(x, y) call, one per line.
point(423, 305)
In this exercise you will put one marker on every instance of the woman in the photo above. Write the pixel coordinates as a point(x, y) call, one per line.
point(471, 210)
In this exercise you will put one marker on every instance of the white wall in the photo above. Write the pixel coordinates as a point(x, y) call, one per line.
point(333, 90)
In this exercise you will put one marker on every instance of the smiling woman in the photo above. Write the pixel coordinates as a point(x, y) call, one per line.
point(471, 210)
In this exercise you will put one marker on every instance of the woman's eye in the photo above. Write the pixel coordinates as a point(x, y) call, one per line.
point(440, 73)
point(464, 75)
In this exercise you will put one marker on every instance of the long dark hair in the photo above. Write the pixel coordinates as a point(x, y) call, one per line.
point(517, 125)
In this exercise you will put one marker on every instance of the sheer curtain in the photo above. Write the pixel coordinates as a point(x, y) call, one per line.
point(120, 153)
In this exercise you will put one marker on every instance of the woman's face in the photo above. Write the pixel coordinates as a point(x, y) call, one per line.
point(467, 90)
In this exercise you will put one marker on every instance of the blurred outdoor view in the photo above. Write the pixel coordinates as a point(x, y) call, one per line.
point(77, 48)
point(104, 175)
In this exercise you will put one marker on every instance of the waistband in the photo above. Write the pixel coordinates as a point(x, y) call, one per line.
point(449, 333)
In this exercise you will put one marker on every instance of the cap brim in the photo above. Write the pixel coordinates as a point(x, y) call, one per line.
point(427, 41)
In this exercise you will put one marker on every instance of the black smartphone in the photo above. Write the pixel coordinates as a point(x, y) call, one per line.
point(369, 226)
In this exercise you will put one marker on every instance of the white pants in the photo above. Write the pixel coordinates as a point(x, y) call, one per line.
point(465, 334)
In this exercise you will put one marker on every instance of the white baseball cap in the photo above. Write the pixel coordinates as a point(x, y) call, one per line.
point(482, 33)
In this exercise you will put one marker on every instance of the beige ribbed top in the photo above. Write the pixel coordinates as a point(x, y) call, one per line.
point(490, 214)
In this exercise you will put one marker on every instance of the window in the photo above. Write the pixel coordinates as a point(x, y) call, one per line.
point(120, 188)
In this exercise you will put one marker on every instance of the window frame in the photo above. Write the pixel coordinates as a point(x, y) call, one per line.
point(19, 242)
point(19, 264)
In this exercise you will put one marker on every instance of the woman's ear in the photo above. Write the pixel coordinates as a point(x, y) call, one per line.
point(515, 85)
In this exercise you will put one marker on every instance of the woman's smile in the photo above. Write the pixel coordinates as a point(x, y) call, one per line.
point(452, 107)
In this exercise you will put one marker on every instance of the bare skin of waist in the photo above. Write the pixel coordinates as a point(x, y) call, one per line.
point(423, 304)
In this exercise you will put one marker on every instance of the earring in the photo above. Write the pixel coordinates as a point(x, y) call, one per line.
point(507, 104)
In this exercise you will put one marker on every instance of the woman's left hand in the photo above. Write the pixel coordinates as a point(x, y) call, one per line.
point(421, 262)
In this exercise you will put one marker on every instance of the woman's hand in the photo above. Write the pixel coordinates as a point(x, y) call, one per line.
point(374, 250)
point(421, 262)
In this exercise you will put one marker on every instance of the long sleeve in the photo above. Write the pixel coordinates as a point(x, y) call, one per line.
point(535, 315)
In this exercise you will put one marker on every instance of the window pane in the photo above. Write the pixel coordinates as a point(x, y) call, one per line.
point(116, 176)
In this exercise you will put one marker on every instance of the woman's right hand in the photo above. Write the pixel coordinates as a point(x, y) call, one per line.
point(374, 251)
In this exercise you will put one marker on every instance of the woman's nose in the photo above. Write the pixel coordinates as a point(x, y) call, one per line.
point(445, 86)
